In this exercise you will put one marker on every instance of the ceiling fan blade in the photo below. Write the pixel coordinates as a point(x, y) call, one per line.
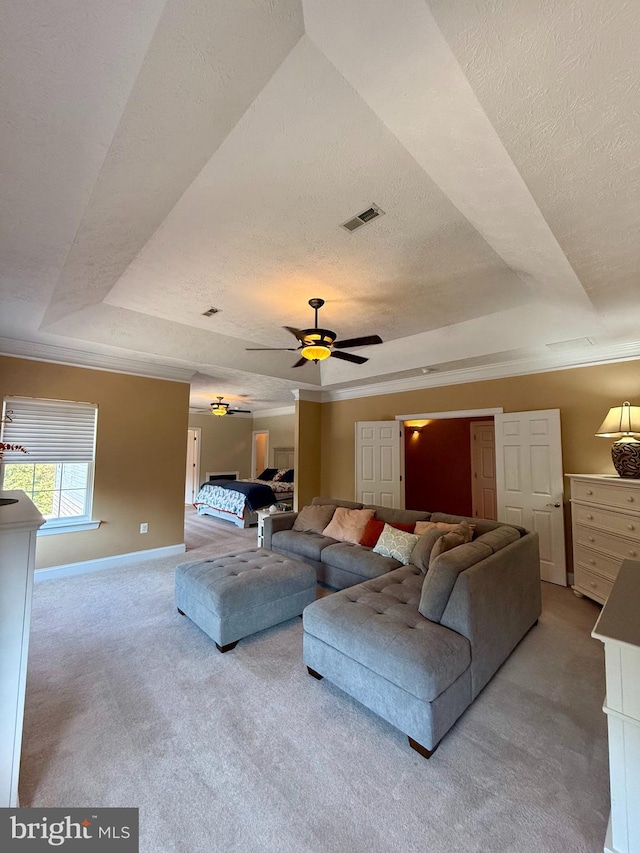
point(238, 411)
point(270, 349)
point(300, 362)
point(347, 356)
point(295, 332)
point(358, 342)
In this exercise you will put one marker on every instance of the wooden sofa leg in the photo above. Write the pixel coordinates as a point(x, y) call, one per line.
point(228, 647)
point(424, 752)
point(181, 612)
point(314, 673)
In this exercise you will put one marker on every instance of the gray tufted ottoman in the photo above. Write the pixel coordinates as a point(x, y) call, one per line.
point(237, 595)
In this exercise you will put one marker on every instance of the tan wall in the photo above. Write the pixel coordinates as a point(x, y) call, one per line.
point(225, 443)
point(307, 452)
point(583, 395)
point(140, 456)
point(282, 431)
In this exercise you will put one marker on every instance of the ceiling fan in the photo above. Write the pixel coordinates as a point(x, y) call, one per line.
point(317, 344)
point(220, 409)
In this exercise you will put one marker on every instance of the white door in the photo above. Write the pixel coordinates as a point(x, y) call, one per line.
point(483, 469)
point(193, 465)
point(378, 463)
point(259, 451)
point(530, 482)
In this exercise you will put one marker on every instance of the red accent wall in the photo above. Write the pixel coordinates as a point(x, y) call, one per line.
point(438, 466)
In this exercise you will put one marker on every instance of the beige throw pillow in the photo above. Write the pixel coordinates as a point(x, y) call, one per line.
point(347, 525)
point(461, 527)
point(313, 519)
point(445, 543)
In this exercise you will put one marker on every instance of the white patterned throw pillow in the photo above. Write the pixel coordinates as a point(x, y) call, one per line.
point(396, 543)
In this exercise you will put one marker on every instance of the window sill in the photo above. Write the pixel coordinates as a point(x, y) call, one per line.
point(51, 528)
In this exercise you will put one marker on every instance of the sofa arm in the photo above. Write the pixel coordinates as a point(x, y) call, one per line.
point(494, 603)
point(275, 522)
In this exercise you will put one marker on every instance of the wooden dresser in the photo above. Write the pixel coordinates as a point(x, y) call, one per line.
point(605, 512)
point(619, 629)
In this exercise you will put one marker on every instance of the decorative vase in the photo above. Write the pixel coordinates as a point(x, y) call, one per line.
point(626, 457)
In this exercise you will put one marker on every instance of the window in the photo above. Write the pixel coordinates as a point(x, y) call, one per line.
point(57, 471)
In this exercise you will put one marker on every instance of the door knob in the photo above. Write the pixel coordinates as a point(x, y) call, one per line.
point(554, 504)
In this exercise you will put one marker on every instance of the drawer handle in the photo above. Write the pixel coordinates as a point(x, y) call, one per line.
point(589, 492)
point(630, 498)
point(591, 539)
point(631, 526)
point(589, 516)
point(593, 562)
point(633, 553)
point(593, 584)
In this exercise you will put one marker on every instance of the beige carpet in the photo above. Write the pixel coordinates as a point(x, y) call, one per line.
point(129, 704)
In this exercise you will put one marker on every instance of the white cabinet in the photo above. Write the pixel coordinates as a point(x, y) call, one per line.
point(605, 512)
point(19, 523)
point(619, 629)
point(262, 514)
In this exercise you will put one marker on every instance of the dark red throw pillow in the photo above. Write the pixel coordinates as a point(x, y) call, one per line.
point(375, 527)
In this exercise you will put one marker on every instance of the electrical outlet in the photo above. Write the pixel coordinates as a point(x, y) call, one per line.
point(144, 527)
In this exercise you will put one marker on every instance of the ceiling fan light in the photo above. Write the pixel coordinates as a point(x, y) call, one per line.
point(315, 352)
point(218, 411)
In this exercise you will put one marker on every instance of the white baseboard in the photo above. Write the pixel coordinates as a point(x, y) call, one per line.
point(101, 563)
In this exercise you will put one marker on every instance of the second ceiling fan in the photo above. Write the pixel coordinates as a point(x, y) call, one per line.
point(317, 344)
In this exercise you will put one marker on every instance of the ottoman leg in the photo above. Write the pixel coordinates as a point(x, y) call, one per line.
point(314, 673)
point(422, 750)
point(228, 647)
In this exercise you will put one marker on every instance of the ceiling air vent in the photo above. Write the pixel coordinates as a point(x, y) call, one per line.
point(361, 219)
point(210, 312)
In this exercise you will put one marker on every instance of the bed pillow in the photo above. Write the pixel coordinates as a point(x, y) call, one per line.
point(460, 527)
point(267, 474)
point(375, 527)
point(347, 525)
point(313, 519)
point(396, 543)
point(287, 477)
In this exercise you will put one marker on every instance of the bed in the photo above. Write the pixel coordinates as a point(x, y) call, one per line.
point(238, 501)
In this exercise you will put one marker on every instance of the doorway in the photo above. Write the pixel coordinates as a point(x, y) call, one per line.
point(192, 475)
point(450, 465)
point(259, 451)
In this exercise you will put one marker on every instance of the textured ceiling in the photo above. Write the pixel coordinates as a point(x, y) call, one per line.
point(162, 157)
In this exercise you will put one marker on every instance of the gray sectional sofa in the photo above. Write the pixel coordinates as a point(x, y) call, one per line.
point(416, 643)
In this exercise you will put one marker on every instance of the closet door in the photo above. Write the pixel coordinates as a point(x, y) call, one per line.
point(378, 476)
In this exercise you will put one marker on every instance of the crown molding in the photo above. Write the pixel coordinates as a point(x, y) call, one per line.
point(307, 395)
point(536, 364)
point(54, 354)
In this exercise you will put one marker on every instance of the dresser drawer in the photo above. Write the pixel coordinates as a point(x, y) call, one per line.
point(592, 585)
point(613, 545)
point(604, 519)
point(608, 567)
point(615, 494)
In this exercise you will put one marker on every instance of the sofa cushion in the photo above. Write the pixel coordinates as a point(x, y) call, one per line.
point(375, 527)
point(313, 519)
point(500, 537)
point(337, 502)
point(421, 553)
point(443, 574)
point(358, 560)
point(376, 623)
point(347, 525)
point(396, 543)
point(398, 516)
point(304, 545)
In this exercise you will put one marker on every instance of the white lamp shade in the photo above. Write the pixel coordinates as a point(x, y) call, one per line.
point(620, 421)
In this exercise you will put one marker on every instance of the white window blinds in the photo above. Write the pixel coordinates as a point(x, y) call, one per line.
point(50, 430)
